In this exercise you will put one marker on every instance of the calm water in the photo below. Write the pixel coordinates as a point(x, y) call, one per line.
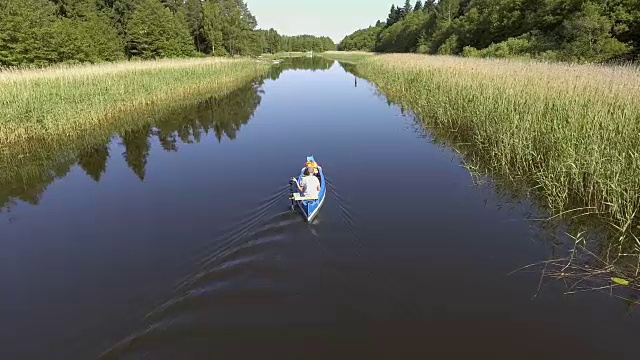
point(176, 241)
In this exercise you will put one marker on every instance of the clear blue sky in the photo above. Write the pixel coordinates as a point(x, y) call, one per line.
point(333, 18)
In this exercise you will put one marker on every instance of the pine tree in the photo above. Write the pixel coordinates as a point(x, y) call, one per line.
point(256, 43)
point(407, 7)
point(26, 27)
point(246, 15)
point(588, 36)
point(153, 31)
point(193, 12)
point(391, 19)
point(418, 6)
point(399, 15)
point(83, 34)
point(237, 31)
point(212, 24)
point(120, 11)
point(447, 10)
point(232, 29)
point(173, 5)
point(429, 5)
point(74, 8)
point(180, 42)
point(272, 39)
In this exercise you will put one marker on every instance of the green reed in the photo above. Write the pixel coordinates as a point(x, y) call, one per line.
point(346, 56)
point(43, 106)
point(571, 132)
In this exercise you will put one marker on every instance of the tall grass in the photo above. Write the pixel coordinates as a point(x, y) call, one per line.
point(286, 54)
point(25, 179)
point(40, 107)
point(346, 56)
point(570, 132)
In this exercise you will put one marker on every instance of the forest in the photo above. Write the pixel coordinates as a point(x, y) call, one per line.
point(42, 32)
point(558, 30)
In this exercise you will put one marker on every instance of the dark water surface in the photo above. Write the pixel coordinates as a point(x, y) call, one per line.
point(175, 241)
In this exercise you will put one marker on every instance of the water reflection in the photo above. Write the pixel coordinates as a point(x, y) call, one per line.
point(316, 63)
point(183, 125)
point(222, 116)
point(31, 181)
point(94, 161)
point(204, 260)
point(585, 251)
point(347, 67)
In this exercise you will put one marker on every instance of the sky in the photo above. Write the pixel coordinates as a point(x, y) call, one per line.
point(332, 18)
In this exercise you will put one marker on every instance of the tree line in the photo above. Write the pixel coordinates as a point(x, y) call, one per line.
point(275, 42)
point(564, 30)
point(41, 32)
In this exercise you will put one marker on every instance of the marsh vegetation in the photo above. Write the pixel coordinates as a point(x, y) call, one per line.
point(44, 106)
point(568, 134)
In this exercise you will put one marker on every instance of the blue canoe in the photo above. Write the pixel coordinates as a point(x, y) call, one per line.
point(311, 207)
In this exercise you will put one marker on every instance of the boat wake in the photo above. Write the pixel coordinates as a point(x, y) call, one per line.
point(345, 210)
point(256, 273)
point(238, 264)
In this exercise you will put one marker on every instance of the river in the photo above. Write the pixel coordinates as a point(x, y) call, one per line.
point(176, 240)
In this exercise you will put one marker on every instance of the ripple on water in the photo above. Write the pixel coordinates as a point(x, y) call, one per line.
point(241, 267)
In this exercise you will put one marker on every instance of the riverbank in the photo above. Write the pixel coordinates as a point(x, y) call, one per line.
point(45, 106)
point(569, 132)
point(287, 54)
point(351, 57)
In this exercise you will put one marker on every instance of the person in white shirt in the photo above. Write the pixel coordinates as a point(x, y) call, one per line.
point(309, 186)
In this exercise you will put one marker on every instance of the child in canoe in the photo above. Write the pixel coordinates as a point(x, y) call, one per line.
point(312, 165)
point(309, 186)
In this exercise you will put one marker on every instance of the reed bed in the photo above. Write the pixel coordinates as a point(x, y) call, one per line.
point(44, 106)
point(585, 271)
point(346, 56)
point(569, 132)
